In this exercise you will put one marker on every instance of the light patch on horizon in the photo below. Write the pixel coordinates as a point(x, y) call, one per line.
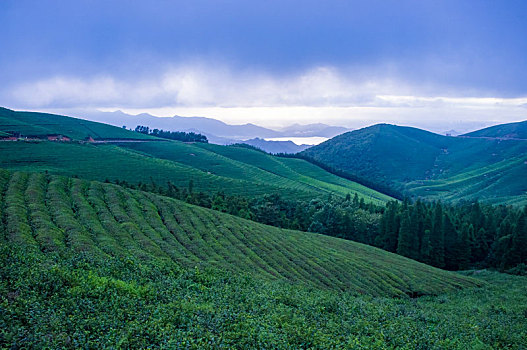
point(321, 94)
point(314, 140)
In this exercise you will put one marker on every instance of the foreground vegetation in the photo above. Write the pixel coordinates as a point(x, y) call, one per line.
point(468, 235)
point(85, 264)
point(83, 301)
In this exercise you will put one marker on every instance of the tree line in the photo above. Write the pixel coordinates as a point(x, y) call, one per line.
point(452, 237)
point(467, 235)
point(172, 135)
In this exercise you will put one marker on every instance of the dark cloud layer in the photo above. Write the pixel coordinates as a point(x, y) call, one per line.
point(475, 45)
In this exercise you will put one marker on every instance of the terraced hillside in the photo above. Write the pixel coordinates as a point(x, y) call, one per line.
point(430, 165)
point(58, 216)
point(41, 124)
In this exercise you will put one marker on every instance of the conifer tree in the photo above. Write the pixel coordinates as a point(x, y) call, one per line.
point(437, 241)
point(425, 247)
point(464, 246)
point(450, 240)
point(404, 244)
point(519, 240)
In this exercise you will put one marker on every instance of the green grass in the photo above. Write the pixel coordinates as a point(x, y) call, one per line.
point(212, 168)
point(499, 183)
point(41, 124)
point(179, 163)
point(101, 162)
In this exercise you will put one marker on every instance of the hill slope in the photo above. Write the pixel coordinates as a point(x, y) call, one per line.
point(234, 170)
point(41, 124)
point(57, 216)
point(510, 130)
point(431, 165)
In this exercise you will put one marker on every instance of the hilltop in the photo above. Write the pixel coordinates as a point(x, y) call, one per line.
point(510, 130)
point(39, 125)
point(429, 165)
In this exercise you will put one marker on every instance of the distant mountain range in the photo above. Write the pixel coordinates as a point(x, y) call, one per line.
point(276, 146)
point(219, 132)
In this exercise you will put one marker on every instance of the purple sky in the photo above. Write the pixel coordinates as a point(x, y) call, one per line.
point(270, 62)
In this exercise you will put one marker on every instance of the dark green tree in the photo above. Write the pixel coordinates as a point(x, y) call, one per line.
point(437, 241)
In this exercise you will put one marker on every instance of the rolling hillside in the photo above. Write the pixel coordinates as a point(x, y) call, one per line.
point(94, 265)
point(41, 124)
point(251, 165)
point(53, 215)
point(429, 165)
point(510, 130)
point(234, 170)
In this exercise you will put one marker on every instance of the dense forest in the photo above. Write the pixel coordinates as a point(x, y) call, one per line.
point(453, 237)
point(172, 135)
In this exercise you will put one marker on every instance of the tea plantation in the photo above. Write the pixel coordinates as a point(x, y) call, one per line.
point(49, 214)
point(77, 270)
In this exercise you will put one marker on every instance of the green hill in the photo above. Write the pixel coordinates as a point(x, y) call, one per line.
point(42, 124)
point(510, 130)
point(252, 165)
point(425, 164)
point(233, 170)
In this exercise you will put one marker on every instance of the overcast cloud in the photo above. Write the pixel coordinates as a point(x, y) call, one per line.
point(350, 63)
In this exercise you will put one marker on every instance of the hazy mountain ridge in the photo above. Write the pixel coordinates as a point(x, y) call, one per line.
point(219, 132)
point(276, 146)
point(211, 125)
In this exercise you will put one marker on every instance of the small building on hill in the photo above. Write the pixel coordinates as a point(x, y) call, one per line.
point(58, 138)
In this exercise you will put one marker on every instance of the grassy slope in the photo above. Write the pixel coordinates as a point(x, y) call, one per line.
point(100, 162)
point(512, 130)
point(430, 165)
point(32, 123)
point(66, 216)
point(212, 168)
point(258, 167)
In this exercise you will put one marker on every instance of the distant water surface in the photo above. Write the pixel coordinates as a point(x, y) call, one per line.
point(315, 140)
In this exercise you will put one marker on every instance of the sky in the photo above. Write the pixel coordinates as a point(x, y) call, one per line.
point(431, 64)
